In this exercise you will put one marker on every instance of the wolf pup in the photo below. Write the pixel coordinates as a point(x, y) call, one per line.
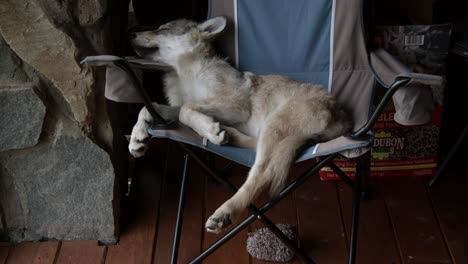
point(273, 114)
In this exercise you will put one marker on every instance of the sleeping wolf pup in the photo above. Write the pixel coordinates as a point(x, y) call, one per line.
point(272, 114)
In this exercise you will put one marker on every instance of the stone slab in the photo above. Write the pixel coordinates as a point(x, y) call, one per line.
point(22, 114)
point(62, 190)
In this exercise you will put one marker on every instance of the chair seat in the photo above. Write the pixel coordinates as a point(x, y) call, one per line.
point(346, 146)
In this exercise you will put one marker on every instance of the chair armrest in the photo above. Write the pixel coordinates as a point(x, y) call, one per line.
point(393, 75)
point(387, 68)
point(422, 78)
point(131, 79)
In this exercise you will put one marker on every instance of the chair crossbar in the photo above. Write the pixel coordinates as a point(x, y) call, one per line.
point(256, 213)
point(341, 174)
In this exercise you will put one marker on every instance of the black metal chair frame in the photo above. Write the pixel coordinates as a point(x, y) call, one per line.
point(362, 162)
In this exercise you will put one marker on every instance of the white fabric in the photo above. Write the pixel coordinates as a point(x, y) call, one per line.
point(414, 102)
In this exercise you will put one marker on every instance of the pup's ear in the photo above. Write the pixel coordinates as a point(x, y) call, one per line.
point(211, 28)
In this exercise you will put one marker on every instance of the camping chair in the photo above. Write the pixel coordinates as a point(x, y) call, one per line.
point(318, 41)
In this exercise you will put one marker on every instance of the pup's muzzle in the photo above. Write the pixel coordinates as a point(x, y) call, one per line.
point(132, 32)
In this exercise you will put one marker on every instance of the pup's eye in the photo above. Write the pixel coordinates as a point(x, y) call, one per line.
point(161, 29)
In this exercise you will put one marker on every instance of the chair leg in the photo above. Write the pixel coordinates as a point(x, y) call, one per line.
point(180, 212)
point(257, 213)
point(357, 195)
point(365, 171)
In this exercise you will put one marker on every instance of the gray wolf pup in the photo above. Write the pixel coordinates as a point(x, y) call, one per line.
point(272, 114)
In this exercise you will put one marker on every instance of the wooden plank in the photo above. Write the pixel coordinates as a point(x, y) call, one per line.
point(417, 231)
point(321, 228)
point(4, 251)
point(450, 199)
point(79, 252)
point(137, 236)
point(192, 226)
point(283, 213)
point(376, 239)
point(169, 203)
point(34, 252)
point(46, 252)
point(233, 251)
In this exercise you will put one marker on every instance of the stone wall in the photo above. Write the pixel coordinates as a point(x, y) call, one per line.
point(59, 153)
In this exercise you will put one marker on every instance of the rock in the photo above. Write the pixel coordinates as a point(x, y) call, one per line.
point(10, 67)
point(90, 11)
point(59, 190)
point(31, 35)
point(22, 114)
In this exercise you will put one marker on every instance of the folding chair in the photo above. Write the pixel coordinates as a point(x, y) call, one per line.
point(319, 41)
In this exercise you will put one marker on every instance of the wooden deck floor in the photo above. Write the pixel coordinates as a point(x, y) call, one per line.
point(404, 222)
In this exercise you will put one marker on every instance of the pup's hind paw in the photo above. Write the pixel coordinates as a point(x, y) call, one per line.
point(215, 225)
point(221, 218)
point(217, 135)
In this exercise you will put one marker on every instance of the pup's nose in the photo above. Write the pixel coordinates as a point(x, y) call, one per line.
point(132, 32)
point(132, 35)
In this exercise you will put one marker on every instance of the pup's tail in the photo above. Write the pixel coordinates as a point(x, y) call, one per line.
point(281, 160)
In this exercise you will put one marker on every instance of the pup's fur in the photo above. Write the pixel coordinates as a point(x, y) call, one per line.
point(273, 114)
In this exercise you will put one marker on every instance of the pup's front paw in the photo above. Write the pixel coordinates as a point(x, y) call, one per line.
point(138, 144)
point(217, 135)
